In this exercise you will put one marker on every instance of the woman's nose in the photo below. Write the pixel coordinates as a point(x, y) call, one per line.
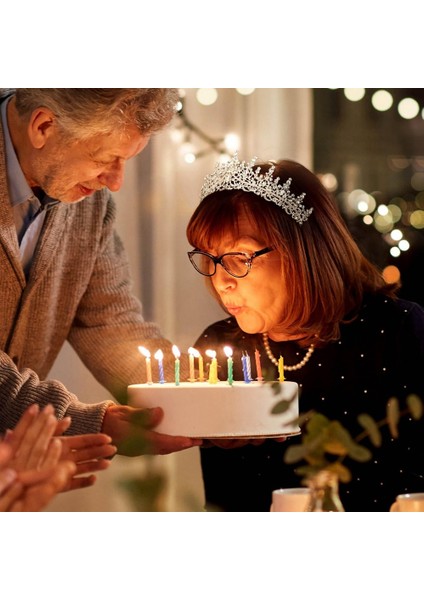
point(222, 280)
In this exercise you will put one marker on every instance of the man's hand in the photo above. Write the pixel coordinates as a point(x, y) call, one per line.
point(131, 431)
point(89, 453)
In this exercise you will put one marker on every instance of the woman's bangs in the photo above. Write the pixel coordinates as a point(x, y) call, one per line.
point(215, 219)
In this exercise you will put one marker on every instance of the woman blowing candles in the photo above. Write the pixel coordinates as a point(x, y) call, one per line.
point(279, 259)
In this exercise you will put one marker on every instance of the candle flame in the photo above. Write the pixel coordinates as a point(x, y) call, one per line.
point(176, 352)
point(210, 353)
point(144, 351)
point(228, 351)
point(194, 352)
point(159, 355)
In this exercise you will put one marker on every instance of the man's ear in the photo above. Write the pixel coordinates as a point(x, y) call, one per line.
point(40, 126)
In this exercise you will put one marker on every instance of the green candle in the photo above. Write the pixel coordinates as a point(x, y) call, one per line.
point(177, 355)
point(229, 354)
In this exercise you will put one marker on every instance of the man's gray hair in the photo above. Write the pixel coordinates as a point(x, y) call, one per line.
point(84, 112)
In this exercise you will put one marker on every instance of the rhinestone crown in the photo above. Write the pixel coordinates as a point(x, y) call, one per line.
point(236, 175)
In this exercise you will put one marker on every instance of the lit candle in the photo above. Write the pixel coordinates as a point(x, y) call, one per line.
point(229, 354)
point(201, 372)
point(146, 354)
point(248, 368)
point(159, 358)
point(281, 368)
point(258, 366)
point(244, 367)
point(191, 354)
point(213, 369)
point(177, 354)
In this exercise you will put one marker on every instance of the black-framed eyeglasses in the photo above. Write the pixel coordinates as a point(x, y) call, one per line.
point(237, 264)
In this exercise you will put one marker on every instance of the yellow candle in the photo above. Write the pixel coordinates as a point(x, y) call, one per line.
point(191, 355)
point(213, 369)
point(146, 354)
point(281, 368)
point(201, 372)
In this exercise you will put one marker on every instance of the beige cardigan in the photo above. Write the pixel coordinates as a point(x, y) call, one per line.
point(79, 289)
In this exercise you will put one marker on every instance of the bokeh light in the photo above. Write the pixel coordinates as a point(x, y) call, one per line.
point(417, 219)
point(391, 274)
point(354, 94)
point(408, 108)
point(382, 100)
point(245, 91)
point(207, 96)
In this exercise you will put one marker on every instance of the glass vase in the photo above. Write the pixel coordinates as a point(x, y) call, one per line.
point(324, 487)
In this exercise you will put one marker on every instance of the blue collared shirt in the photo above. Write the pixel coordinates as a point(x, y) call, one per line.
point(29, 212)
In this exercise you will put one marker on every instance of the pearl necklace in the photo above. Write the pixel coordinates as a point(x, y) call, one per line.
point(272, 358)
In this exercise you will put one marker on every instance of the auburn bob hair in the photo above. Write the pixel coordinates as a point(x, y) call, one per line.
point(325, 273)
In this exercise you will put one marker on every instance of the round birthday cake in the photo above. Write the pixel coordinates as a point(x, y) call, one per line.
point(220, 410)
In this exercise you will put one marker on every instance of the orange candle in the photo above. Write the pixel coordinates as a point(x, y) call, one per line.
point(146, 354)
point(258, 366)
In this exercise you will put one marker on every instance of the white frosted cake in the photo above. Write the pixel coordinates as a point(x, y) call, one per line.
point(220, 410)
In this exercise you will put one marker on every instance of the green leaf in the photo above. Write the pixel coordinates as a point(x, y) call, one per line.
point(337, 439)
point(276, 387)
point(294, 453)
point(393, 416)
point(371, 428)
point(317, 423)
point(359, 453)
point(342, 472)
point(145, 493)
point(281, 407)
point(301, 419)
point(415, 406)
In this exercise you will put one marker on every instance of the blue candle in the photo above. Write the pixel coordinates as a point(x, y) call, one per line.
point(245, 368)
point(248, 368)
point(159, 358)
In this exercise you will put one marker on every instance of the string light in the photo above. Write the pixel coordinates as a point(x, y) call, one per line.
point(195, 142)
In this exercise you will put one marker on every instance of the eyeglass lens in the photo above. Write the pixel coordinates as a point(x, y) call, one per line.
point(235, 264)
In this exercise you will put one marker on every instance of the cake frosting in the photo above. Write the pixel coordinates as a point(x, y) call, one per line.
point(220, 410)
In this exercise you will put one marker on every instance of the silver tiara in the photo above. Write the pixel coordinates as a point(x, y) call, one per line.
point(236, 175)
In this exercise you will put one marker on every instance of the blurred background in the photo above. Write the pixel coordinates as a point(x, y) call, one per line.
point(366, 145)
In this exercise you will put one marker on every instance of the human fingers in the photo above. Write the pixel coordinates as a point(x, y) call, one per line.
point(92, 465)
point(77, 483)
point(10, 496)
point(7, 477)
point(15, 437)
point(227, 444)
point(5, 454)
point(38, 496)
point(35, 442)
point(85, 440)
point(84, 451)
point(150, 442)
point(52, 455)
point(62, 426)
point(119, 420)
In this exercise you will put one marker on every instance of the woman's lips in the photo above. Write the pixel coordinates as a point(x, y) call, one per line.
point(234, 310)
